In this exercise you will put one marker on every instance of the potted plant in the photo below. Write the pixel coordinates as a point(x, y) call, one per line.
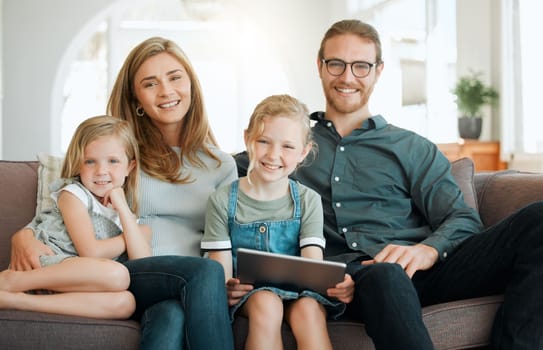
point(471, 95)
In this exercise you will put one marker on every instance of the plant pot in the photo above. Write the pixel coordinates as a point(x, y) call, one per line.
point(470, 127)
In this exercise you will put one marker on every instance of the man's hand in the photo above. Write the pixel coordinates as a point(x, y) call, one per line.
point(235, 290)
point(26, 251)
point(410, 258)
point(343, 291)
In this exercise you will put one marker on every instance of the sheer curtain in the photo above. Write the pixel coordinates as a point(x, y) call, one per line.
point(510, 96)
point(521, 124)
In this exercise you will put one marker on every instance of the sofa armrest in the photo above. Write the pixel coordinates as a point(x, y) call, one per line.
point(501, 193)
point(18, 186)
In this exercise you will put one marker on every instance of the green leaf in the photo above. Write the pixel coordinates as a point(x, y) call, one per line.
point(472, 94)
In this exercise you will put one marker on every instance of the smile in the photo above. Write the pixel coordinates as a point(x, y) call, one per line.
point(169, 104)
point(271, 166)
point(102, 182)
point(346, 91)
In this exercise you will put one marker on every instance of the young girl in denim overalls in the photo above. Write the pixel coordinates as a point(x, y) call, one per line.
point(268, 211)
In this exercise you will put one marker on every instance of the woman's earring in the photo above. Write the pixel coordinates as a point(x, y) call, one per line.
point(140, 112)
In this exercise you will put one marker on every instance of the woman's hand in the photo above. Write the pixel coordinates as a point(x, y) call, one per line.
point(26, 251)
point(235, 290)
point(343, 291)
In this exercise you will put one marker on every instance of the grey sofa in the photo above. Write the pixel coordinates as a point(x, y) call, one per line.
point(455, 325)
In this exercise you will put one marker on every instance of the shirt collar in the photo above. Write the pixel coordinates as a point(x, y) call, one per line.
point(374, 122)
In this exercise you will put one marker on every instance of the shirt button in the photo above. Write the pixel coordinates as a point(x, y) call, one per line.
point(329, 124)
point(336, 178)
point(342, 148)
point(338, 205)
point(344, 229)
point(444, 255)
point(262, 229)
point(354, 245)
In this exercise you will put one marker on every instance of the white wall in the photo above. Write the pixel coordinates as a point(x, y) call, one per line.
point(37, 33)
point(35, 36)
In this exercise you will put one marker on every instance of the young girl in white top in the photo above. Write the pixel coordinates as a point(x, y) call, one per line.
point(267, 211)
point(92, 225)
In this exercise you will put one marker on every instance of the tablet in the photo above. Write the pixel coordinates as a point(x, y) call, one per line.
point(288, 272)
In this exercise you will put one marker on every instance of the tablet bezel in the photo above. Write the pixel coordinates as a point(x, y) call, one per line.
point(287, 272)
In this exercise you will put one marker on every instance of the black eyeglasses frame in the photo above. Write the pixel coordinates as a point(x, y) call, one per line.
point(345, 64)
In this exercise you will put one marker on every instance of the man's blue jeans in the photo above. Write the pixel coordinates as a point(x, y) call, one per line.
point(181, 297)
point(506, 258)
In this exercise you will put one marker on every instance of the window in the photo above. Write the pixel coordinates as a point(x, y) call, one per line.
point(531, 57)
point(419, 50)
point(521, 139)
point(85, 89)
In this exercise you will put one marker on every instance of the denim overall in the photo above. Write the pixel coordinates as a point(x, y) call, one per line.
point(281, 236)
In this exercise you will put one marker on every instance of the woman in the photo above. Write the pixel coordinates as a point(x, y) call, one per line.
point(158, 93)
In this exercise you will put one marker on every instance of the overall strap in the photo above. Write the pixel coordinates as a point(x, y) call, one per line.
point(233, 199)
point(295, 194)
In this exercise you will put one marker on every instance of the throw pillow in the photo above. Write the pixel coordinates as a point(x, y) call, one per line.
point(463, 171)
point(48, 171)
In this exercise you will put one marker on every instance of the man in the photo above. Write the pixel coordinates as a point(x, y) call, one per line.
point(394, 213)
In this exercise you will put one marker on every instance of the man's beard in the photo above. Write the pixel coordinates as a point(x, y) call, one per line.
point(347, 108)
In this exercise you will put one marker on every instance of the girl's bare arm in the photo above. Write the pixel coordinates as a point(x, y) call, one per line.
point(81, 231)
point(136, 237)
point(312, 252)
point(224, 257)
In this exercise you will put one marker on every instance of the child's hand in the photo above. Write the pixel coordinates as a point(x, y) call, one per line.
point(343, 291)
point(235, 290)
point(115, 199)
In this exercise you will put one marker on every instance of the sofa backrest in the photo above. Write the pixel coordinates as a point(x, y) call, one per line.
point(498, 194)
point(18, 188)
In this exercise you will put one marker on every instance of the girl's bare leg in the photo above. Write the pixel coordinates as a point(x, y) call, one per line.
point(108, 305)
point(307, 319)
point(265, 312)
point(77, 274)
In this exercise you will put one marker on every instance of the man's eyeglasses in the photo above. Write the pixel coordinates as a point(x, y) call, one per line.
point(336, 67)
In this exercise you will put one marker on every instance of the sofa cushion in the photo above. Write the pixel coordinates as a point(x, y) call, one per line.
point(463, 171)
point(48, 171)
point(458, 324)
point(35, 330)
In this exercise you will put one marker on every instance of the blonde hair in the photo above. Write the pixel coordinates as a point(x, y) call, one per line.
point(275, 106)
point(158, 159)
point(92, 129)
point(358, 28)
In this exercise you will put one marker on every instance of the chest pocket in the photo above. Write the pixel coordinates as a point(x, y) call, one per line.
point(271, 236)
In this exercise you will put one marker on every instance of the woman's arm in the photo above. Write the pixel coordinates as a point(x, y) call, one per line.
point(136, 237)
point(79, 226)
point(26, 250)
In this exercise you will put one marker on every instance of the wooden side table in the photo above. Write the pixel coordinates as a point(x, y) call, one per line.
point(485, 154)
